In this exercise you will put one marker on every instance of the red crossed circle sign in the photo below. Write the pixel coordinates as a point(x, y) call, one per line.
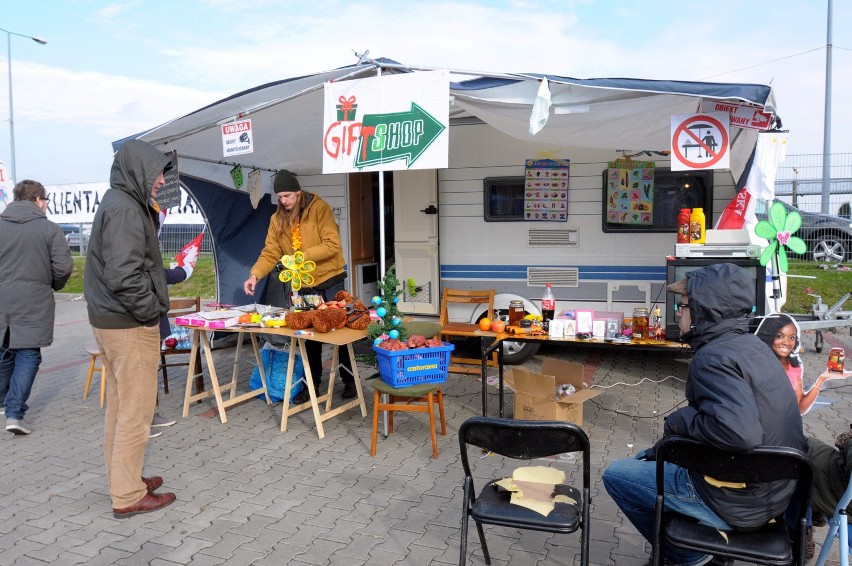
point(694, 140)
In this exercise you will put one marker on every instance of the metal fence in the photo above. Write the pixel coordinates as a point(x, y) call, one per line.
point(799, 182)
point(173, 237)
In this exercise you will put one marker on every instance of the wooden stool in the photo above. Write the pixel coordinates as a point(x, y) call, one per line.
point(404, 399)
point(95, 354)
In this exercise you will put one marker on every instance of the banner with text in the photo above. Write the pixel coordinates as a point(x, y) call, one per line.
point(387, 123)
point(78, 202)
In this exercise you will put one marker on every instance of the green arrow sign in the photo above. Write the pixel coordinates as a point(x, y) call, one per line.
point(397, 135)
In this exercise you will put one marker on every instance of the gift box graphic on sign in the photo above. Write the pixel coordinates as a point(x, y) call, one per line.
point(346, 109)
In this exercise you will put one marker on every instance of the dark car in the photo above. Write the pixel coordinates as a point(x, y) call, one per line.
point(829, 238)
point(76, 239)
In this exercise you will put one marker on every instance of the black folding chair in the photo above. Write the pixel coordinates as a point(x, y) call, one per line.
point(523, 440)
point(768, 544)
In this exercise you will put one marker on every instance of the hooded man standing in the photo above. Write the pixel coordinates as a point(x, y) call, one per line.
point(126, 294)
point(35, 261)
point(739, 399)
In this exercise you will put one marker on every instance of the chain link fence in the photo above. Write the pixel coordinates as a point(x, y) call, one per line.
point(799, 182)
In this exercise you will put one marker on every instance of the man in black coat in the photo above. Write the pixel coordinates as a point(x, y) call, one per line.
point(739, 398)
point(35, 261)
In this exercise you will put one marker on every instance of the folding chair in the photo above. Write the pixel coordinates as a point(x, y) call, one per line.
point(838, 527)
point(451, 328)
point(180, 307)
point(768, 544)
point(523, 440)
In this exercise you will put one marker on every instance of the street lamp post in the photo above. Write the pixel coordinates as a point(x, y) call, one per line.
point(9, 35)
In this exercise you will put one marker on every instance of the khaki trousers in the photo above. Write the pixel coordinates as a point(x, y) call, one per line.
point(131, 358)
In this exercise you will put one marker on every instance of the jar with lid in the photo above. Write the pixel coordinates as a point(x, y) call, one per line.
point(836, 359)
point(516, 312)
point(640, 324)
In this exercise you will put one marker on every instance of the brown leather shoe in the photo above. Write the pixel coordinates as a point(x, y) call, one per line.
point(151, 502)
point(152, 483)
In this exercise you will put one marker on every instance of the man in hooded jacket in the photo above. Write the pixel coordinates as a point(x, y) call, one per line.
point(739, 398)
point(126, 295)
point(35, 261)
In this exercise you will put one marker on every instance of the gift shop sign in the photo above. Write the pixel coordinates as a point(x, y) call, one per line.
point(741, 116)
point(237, 138)
point(700, 141)
point(387, 123)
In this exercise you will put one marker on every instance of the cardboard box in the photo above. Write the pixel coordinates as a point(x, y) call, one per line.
point(535, 393)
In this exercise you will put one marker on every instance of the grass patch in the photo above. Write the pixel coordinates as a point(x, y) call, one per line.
point(202, 282)
point(830, 284)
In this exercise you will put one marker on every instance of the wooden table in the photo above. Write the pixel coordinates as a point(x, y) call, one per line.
point(496, 346)
point(467, 330)
point(337, 338)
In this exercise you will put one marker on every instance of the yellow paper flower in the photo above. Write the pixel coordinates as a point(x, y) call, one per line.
point(297, 271)
point(296, 238)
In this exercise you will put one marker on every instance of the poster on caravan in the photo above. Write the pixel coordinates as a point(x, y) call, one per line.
point(77, 203)
point(5, 187)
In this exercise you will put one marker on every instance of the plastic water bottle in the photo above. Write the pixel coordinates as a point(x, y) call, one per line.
point(548, 303)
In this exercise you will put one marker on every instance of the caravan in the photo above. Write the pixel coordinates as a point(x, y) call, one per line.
point(483, 221)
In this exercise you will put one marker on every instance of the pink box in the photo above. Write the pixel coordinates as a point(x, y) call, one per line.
point(190, 321)
point(222, 323)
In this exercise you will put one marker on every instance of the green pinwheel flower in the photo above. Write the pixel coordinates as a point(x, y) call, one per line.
point(779, 231)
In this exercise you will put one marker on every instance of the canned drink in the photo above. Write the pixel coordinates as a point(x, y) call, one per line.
point(836, 359)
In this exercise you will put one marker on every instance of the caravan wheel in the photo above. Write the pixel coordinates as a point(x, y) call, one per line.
point(515, 353)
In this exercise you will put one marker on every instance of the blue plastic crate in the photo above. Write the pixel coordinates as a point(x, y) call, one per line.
point(404, 368)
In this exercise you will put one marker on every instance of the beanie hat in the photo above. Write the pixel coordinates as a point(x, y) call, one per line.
point(285, 181)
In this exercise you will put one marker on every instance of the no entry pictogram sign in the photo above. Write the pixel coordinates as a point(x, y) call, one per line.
point(700, 141)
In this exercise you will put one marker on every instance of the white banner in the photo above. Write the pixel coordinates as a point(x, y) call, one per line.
point(387, 123)
point(77, 203)
point(5, 187)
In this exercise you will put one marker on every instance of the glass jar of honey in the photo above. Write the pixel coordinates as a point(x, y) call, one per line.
point(516, 312)
point(836, 359)
point(640, 324)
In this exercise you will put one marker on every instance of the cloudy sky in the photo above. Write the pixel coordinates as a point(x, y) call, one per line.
point(112, 69)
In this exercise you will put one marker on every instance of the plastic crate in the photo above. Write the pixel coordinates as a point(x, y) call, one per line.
point(403, 368)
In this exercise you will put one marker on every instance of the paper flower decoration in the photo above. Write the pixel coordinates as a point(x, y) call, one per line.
point(297, 271)
point(779, 229)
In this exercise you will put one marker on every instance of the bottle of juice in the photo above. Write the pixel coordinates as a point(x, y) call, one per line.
point(696, 226)
point(683, 226)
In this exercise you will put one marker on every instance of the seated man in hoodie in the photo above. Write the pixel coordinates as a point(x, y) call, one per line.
point(729, 366)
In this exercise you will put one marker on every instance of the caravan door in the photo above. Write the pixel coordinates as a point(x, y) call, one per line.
point(415, 206)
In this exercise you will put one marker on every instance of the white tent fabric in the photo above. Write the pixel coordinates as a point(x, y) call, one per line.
point(287, 116)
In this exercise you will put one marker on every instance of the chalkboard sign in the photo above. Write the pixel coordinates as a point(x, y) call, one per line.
point(169, 194)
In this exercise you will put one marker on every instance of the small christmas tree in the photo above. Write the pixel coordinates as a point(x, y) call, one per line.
point(386, 304)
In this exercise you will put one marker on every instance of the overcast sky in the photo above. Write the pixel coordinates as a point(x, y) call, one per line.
point(112, 69)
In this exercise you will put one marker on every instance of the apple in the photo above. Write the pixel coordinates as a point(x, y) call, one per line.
point(171, 342)
point(498, 326)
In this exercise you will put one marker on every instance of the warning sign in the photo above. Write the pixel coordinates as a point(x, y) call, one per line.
point(700, 141)
point(741, 116)
point(237, 138)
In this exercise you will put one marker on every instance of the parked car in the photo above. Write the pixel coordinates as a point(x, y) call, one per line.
point(829, 238)
point(76, 239)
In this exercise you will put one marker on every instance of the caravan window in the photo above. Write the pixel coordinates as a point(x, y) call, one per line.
point(673, 190)
point(504, 199)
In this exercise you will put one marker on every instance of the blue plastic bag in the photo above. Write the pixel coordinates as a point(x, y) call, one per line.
point(275, 366)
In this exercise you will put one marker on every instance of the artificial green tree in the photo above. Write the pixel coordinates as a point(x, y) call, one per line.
point(386, 304)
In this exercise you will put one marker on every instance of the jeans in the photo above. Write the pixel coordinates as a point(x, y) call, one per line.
point(632, 485)
point(18, 368)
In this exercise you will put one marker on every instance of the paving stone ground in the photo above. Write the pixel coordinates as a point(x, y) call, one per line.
point(249, 494)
